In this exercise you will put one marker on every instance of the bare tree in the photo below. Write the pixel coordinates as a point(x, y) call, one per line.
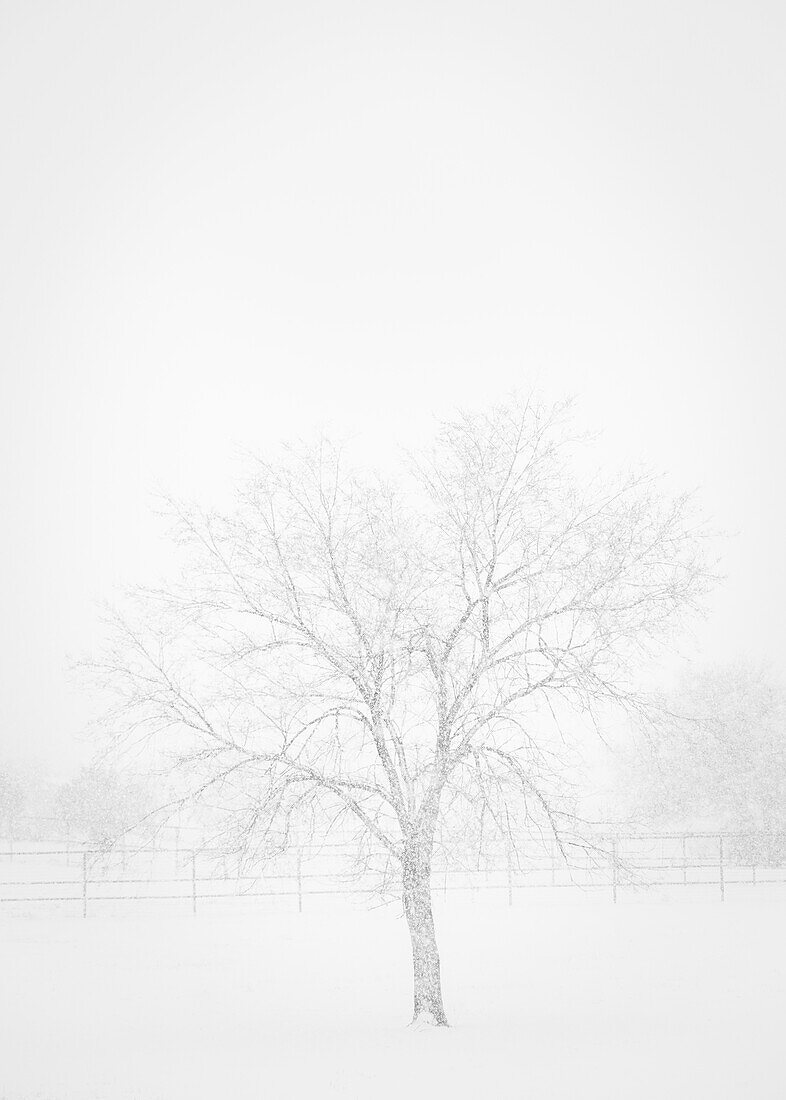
point(397, 655)
point(14, 796)
point(101, 805)
point(714, 757)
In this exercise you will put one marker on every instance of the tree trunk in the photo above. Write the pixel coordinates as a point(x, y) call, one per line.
point(425, 955)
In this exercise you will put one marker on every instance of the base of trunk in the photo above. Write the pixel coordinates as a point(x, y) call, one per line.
point(428, 1008)
point(428, 1019)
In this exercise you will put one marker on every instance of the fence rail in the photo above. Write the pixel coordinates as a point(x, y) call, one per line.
point(628, 863)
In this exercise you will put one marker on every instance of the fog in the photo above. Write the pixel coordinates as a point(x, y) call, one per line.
point(225, 225)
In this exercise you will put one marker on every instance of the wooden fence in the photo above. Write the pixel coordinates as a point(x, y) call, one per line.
point(84, 879)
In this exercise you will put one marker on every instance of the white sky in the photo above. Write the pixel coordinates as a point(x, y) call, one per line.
point(223, 223)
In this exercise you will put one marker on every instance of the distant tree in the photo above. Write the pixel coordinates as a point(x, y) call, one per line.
point(14, 795)
point(101, 805)
point(715, 754)
point(396, 655)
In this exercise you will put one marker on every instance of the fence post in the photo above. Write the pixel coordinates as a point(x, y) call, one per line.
point(553, 864)
point(720, 869)
point(614, 870)
point(84, 884)
point(193, 883)
point(299, 881)
point(684, 861)
point(510, 878)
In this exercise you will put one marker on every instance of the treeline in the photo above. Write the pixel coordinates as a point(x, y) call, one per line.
point(98, 805)
point(711, 755)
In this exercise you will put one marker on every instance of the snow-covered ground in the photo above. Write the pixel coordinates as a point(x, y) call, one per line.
point(555, 997)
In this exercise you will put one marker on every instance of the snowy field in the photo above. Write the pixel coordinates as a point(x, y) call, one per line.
point(565, 996)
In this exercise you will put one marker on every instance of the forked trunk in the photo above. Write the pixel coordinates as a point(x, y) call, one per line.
point(420, 918)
